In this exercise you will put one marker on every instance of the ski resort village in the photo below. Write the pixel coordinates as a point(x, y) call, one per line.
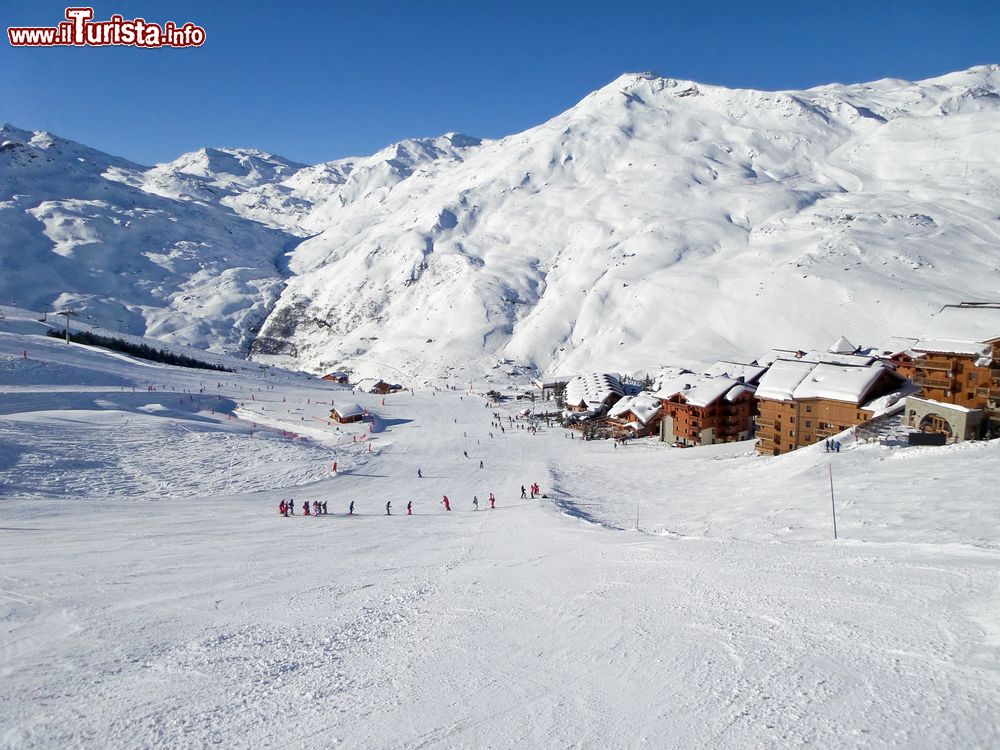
point(672, 422)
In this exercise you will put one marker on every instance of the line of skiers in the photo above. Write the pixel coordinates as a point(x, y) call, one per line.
point(475, 502)
point(832, 446)
point(317, 508)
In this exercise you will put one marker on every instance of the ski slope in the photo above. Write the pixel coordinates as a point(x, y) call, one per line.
point(151, 596)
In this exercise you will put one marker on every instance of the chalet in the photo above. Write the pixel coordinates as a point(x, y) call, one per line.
point(637, 415)
point(803, 402)
point(346, 413)
point(898, 352)
point(743, 373)
point(704, 410)
point(593, 394)
point(374, 385)
point(958, 363)
point(337, 377)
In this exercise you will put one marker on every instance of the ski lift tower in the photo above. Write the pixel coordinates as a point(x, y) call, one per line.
point(67, 313)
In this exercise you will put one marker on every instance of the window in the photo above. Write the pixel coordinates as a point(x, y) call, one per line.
point(972, 377)
point(809, 408)
point(809, 423)
point(791, 420)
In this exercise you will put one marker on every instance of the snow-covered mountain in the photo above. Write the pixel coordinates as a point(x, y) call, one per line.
point(85, 230)
point(657, 221)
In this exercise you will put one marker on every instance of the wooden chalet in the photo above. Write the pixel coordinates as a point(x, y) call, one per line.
point(803, 402)
point(347, 413)
point(636, 416)
point(593, 394)
point(375, 385)
point(958, 363)
point(337, 377)
point(898, 352)
point(706, 409)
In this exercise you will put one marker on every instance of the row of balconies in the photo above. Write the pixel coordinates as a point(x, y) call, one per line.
point(926, 381)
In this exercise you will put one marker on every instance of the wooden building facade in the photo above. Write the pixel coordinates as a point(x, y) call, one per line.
point(803, 403)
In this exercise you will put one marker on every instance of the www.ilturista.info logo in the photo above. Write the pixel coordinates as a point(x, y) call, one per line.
point(79, 30)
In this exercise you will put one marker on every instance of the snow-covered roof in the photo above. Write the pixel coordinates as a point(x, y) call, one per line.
point(840, 382)
point(736, 370)
point(858, 360)
point(667, 375)
point(739, 390)
point(895, 345)
point(593, 389)
point(699, 390)
point(968, 322)
point(773, 355)
point(339, 374)
point(366, 384)
point(643, 405)
point(789, 380)
point(842, 346)
point(782, 378)
point(348, 410)
point(943, 406)
point(951, 346)
point(553, 380)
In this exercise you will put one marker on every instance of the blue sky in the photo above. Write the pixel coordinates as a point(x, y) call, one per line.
point(321, 80)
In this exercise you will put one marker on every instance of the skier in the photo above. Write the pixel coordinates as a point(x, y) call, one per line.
point(480, 463)
point(447, 505)
point(465, 453)
point(475, 502)
point(493, 502)
point(388, 505)
point(350, 510)
point(305, 508)
point(523, 493)
point(283, 508)
point(409, 508)
point(419, 474)
point(315, 507)
point(291, 507)
point(323, 506)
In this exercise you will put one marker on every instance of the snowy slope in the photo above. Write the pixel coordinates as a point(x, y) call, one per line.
point(656, 222)
point(152, 597)
point(661, 221)
point(78, 229)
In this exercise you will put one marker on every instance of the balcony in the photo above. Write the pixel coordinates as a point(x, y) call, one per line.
point(941, 384)
point(948, 367)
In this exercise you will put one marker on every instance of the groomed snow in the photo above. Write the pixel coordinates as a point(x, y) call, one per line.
point(153, 597)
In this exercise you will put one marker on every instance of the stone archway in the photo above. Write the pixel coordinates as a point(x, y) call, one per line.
point(936, 423)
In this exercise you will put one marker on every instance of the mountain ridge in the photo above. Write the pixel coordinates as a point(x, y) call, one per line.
point(657, 220)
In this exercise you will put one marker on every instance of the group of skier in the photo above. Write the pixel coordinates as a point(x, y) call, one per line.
point(317, 508)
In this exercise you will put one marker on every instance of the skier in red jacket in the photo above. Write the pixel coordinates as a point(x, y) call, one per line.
point(447, 505)
point(493, 502)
